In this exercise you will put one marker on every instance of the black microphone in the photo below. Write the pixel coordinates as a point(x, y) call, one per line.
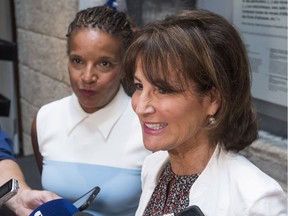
point(189, 211)
point(82, 214)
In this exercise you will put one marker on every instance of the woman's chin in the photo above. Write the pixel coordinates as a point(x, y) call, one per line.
point(152, 148)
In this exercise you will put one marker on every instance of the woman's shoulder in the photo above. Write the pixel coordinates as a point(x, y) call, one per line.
point(57, 103)
point(55, 108)
point(241, 184)
point(259, 190)
point(240, 165)
point(247, 177)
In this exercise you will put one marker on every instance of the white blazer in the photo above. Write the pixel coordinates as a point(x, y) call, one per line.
point(230, 185)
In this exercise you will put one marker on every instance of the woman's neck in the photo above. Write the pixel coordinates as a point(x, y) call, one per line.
point(192, 160)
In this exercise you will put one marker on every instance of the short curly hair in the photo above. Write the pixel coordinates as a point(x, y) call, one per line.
point(111, 21)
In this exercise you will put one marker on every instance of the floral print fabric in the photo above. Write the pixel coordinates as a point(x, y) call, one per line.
point(164, 201)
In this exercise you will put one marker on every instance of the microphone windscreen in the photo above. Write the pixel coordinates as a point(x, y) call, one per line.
point(55, 207)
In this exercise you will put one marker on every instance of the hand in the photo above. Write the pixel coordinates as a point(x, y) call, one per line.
point(26, 200)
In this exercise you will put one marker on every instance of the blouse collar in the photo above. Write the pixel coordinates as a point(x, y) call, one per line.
point(104, 119)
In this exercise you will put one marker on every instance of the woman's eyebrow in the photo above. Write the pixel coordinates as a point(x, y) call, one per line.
point(136, 78)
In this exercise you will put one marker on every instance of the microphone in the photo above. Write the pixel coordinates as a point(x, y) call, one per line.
point(82, 214)
point(55, 207)
point(65, 208)
point(189, 211)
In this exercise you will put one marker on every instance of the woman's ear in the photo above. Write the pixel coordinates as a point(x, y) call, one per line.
point(215, 100)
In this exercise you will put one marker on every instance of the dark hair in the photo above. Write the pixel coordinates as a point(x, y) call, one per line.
point(200, 47)
point(111, 21)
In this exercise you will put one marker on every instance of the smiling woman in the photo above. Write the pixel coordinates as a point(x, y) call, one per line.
point(192, 96)
point(83, 140)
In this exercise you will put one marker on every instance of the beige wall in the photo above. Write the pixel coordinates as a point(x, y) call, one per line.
point(41, 30)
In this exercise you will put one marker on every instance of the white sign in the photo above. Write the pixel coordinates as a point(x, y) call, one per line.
point(263, 25)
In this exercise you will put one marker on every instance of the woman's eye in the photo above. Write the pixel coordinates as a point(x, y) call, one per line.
point(163, 91)
point(76, 61)
point(138, 86)
point(105, 64)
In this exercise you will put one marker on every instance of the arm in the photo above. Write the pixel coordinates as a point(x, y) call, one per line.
point(35, 145)
point(26, 200)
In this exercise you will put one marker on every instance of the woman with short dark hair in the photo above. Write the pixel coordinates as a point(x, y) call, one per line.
point(193, 98)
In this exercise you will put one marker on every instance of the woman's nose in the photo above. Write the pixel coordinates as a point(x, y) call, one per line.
point(143, 104)
point(89, 75)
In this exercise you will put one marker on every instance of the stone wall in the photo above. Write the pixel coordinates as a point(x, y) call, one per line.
point(41, 30)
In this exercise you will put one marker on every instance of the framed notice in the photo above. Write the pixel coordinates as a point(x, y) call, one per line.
point(263, 26)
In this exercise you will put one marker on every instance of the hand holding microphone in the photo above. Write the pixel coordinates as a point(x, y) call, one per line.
point(65, 208)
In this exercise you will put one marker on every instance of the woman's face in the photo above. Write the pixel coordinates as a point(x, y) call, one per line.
point(94, 66)
point(170, 121)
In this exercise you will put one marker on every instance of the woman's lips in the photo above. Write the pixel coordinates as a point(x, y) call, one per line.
point(154, 128)
point(87, 93)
